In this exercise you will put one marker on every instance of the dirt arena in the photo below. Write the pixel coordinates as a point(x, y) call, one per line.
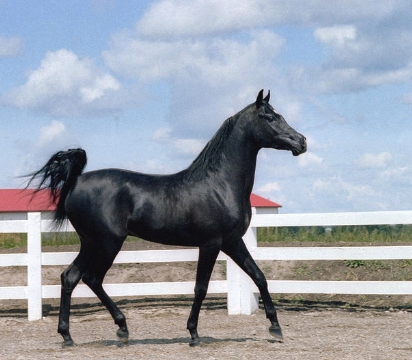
point(157, 331)
point(328, 327)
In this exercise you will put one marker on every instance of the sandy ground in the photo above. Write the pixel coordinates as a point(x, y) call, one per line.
point(157, 331)
point(331, 327)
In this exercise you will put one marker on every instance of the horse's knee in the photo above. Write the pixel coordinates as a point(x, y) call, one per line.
point(260, 281)
point(69, 278)
point(200, 291)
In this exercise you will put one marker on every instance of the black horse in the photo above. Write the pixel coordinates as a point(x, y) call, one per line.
point(206, 205)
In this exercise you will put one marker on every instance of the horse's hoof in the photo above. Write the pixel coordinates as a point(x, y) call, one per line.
point(194, 342)
point(67, 343)
point(123, 336)
point(276, 332)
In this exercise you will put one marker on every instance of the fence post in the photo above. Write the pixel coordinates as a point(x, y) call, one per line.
point(34, 282)
point(241, 299)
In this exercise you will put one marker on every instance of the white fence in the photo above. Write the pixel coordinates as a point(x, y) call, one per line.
point(241, 292)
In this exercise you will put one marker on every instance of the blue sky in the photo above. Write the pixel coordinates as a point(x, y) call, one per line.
point(143, 85)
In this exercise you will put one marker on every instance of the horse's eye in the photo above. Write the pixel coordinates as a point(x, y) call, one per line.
point(270, 119)
point(267, 117)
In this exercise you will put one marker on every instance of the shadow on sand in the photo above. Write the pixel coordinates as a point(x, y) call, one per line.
point(160, 341)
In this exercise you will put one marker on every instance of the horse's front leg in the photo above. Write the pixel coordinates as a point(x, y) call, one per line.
point(206, 262)
point(239, 253)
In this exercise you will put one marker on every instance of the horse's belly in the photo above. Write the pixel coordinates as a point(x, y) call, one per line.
point(187, 233)
point(168, 236)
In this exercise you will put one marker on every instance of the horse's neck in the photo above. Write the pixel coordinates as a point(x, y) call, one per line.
point(228, 159)
point(241, 166)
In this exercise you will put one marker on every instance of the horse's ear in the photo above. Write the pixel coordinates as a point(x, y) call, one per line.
point(259, 99)
point(267, 98)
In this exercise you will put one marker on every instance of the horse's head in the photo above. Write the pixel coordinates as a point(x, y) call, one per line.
point(274, 131)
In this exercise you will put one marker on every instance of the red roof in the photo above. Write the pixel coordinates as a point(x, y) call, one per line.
point(260, 202)
point(17, 200)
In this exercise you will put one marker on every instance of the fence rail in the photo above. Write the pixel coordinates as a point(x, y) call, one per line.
point(241, 292)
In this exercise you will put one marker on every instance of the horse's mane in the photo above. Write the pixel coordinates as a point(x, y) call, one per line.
point(210, 157)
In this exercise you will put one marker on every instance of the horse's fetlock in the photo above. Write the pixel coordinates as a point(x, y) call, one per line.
point(119, 319)
point(63, 328)
point(191, 326)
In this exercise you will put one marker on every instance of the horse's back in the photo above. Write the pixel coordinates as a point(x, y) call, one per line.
point(132, 203)
point(160, 208)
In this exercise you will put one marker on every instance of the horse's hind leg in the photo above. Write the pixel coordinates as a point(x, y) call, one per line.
point(95, 283)
point(93, 278)
point(69, 279)
point(240, 255)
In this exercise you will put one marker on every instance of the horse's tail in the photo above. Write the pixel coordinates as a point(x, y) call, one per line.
point(59, 175)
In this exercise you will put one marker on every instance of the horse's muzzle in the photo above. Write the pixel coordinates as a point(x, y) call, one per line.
point(301, 146)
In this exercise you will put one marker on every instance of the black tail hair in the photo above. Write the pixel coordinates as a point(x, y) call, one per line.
point(59, 175)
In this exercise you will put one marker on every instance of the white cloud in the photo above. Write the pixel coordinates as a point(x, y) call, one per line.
point(356, 191)
point(179, 146)
point(210, 78)
point(313, 144)
point(154, 166)
point(364, 52)
point(190, 147)
point(309, 159)
point(10, 47)
point(60, 73)
point(367, 49)
point(269, 187)
point(354, 79)
point(321, 185)
point(370, 160)
point(162, 134)
point(211, 60)
point(336, 35)
point(343, 191)
point(177, 18)
point(99, 87)
point(51, 132)
point(397, 175)
point(174, 18)
point(62, 85)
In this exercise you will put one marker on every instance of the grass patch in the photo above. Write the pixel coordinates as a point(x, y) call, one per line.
point(9, 241)
point(19, 240)
point(378, 234)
